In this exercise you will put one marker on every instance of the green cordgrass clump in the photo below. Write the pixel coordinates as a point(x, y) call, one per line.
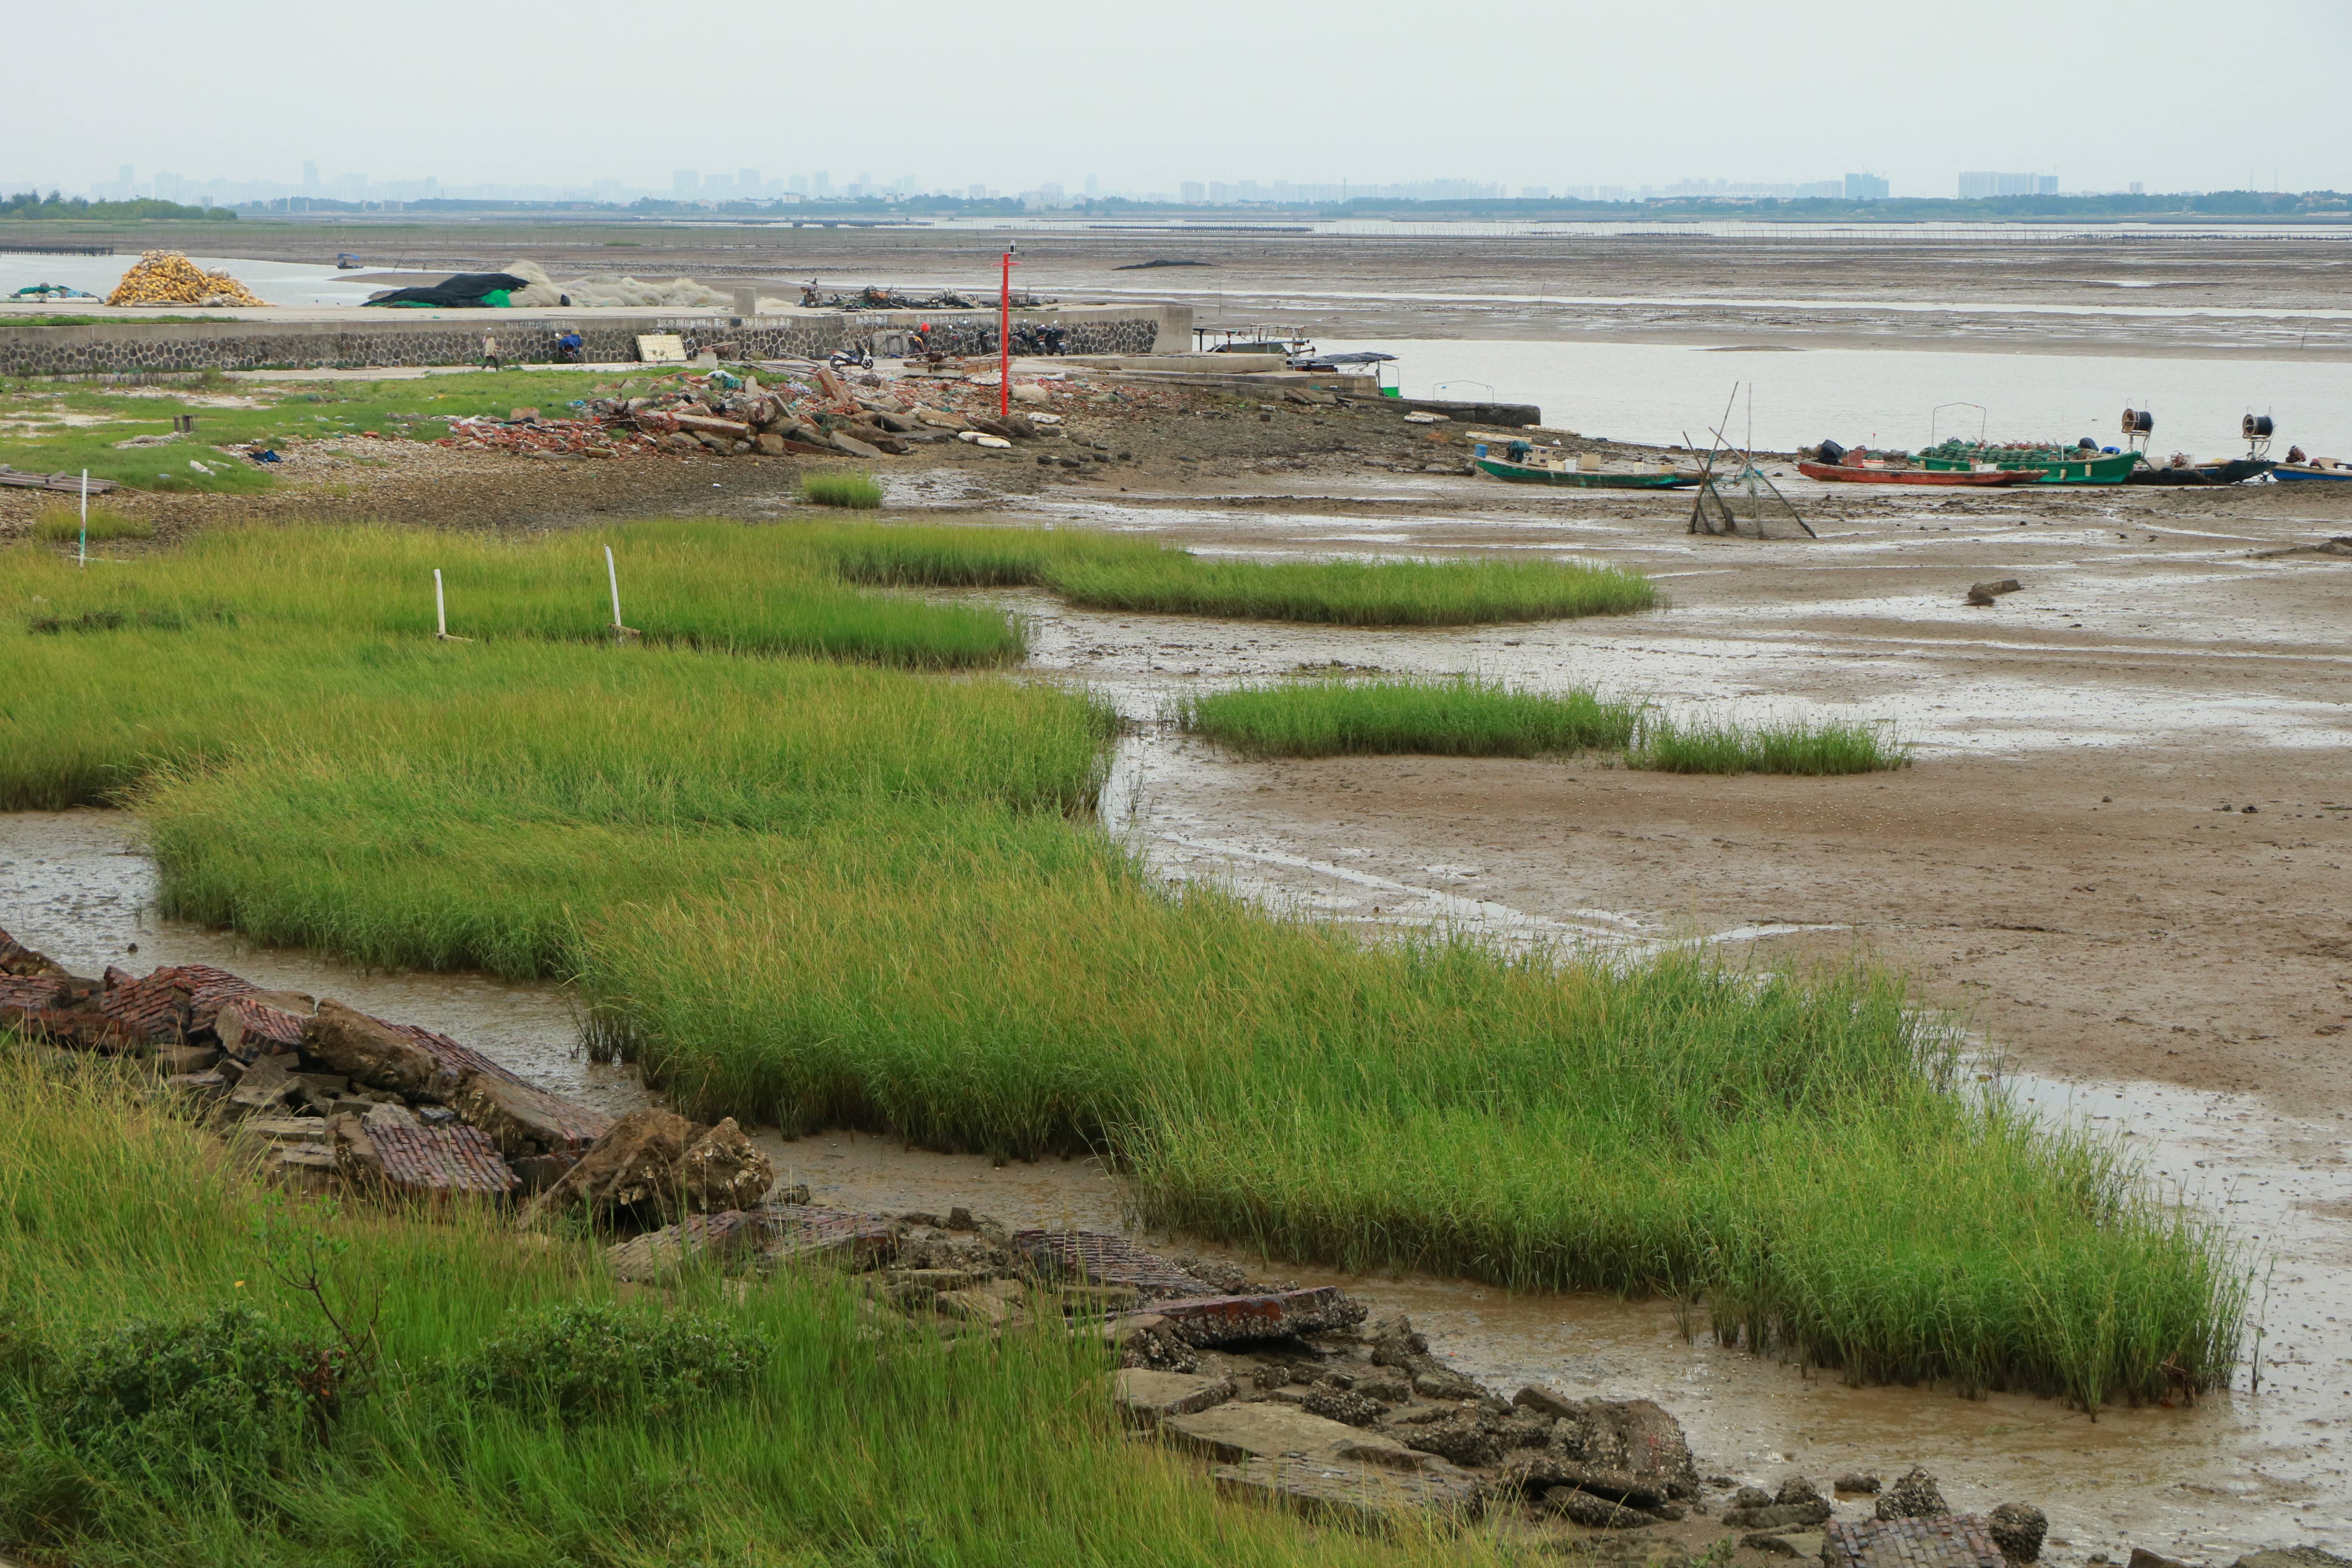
point(846, 488)
point(1456, 716)
point(1105, 572)
point(703, 584)
point(59, 523)
point(1784, 747)
point(790, 1433)
point(1467, 715)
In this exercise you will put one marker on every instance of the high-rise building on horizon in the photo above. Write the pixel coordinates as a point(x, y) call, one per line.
point(1976, 185)
point(1865, 188)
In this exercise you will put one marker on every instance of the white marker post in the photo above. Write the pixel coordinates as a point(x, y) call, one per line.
point(83, 559)
point(440, 608)
point(612, 575)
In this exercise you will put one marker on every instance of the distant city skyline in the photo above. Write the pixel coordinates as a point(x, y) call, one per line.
point(749, 183)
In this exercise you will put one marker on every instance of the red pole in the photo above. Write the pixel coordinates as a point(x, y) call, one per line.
point(1004, 341)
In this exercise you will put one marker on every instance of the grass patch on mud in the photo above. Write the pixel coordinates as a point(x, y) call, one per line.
point(1105, 572)
point(1468, 716)
point(813, 893)
point(53, 428)
point(64, 523)
point(149, 1416)
point(849, 488)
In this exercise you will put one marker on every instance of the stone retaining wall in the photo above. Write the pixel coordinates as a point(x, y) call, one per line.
point(133, 347)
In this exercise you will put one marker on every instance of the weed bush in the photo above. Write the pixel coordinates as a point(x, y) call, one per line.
point(595, 1358)
point(223, 1392)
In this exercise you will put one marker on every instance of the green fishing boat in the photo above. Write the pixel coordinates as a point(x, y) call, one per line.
point(2059, 465)
point(1524, 463)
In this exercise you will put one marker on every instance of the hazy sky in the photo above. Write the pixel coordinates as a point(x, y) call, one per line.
point(2175, 94)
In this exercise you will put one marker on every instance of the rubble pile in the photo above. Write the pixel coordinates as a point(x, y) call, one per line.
point(812, 409)
point(331, 1094)
point(534, 436)
point(169, 277)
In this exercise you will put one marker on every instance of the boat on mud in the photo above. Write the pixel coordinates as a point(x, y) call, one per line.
point(1838, 464)
point(2045, 464)
point(2323, 468)
point(1522, 462)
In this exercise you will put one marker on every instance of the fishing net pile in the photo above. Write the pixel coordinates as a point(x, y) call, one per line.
point(169, 277)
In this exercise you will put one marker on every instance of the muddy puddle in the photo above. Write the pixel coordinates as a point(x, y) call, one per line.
point(76, 886)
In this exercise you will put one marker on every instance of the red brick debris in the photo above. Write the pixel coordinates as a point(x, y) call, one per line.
point(1938, 1540)
point(442, 1159)
point(1099, 1258)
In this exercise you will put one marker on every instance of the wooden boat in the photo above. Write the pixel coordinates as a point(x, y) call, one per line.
point(1890, 474)
point(2315, 469)
point(1583, 479)
point(2235, 470)
point(2048, 465)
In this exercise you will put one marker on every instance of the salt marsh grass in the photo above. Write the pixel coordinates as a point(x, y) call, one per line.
point(1470, 716)
point(845, 488)
point(62, 523)
point(1783, 746)
point(1462, 716)
point(842, 1445)
point(714, 586)
point(1108, 573)
point(816, 894)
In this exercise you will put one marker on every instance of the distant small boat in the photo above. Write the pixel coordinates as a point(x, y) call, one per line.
point(1887, 474)
point(2315, 469)
point(1584, 479)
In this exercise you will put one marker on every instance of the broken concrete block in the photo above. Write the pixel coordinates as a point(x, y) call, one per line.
point(993, 1303)
point(1237, 1432)
point(842, 441)
point(368, 1050)
point(285, 1129)
point(1146, 1398)
point(634, 1165)
point(1797, 1543)
point(811, 1233)
point(1913, 1496)
point(523, 1120)
point(175, 1060)
point(722, 1169)
point(260, 1089)
point(1983, 594)
point(1940, 1540)
point(1594, 1512)
point(1386, 1455)
point(1358, 1496)
point(2018, 1530)
point(1777, 1516)
point(1223, 1319)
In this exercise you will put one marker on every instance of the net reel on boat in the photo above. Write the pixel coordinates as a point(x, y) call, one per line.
point(2257, 429)
point(2139, 425)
